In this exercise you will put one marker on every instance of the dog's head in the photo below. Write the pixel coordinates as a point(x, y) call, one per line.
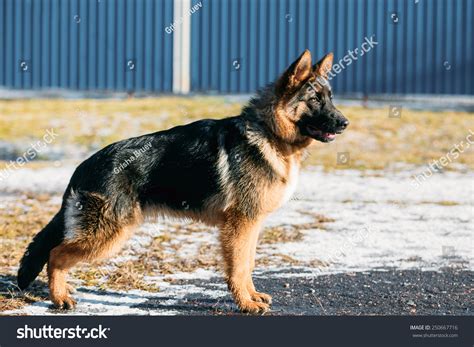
point(305, 100)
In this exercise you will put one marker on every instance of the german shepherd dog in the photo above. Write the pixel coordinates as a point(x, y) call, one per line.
point(229, 173)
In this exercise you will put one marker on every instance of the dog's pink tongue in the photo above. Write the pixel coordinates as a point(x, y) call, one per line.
point(330, 135)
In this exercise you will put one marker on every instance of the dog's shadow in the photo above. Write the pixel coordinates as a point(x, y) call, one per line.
point(191, 306)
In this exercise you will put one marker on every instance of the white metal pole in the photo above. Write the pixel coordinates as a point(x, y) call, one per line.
point(181, 46)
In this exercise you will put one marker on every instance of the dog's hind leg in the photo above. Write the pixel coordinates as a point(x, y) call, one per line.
point(87, 249)
point(93, 230)
point(236, 241)
point(61, 259)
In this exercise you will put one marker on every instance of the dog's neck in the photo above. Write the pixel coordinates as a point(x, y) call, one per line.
point(264, 113)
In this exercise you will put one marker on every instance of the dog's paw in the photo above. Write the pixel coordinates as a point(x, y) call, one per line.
point(261, 297)
point(253, 307)
point(65, 303)
point(70, 289)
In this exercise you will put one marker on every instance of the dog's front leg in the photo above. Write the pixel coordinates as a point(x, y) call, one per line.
point(237, 239)
point(256, 296)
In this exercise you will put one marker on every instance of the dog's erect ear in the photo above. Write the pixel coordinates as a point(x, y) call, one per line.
point(322, 67)
point(296, 75)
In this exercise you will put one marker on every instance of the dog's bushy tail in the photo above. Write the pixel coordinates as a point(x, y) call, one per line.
point(38, 250)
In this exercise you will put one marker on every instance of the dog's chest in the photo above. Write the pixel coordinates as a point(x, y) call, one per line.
point(291, 183)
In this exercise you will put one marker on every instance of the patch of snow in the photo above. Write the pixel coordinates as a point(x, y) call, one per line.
point(45, 180)
point(91, 301)
point(382, 221)
point(197, 274)
point(94, 302)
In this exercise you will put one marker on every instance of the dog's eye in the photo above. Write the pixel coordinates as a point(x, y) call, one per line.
point(314, 98)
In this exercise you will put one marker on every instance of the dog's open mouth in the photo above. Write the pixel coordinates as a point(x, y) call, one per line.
point(321, 135)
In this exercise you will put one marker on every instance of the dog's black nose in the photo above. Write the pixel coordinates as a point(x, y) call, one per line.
point(343, 123)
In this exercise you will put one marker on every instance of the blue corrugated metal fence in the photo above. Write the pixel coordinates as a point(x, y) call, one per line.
point(424, 46)
point(86, 44)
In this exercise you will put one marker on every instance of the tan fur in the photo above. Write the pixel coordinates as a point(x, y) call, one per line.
point(238, 239)
point(323, 67)
point(61, 259)
point(211, 215)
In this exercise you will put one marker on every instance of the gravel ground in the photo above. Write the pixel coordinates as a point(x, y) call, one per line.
point(392, 292)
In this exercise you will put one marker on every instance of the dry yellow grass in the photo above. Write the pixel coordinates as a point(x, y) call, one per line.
point(20, 220)
point(373, 140)
point(93, 122)
point(293, 232)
